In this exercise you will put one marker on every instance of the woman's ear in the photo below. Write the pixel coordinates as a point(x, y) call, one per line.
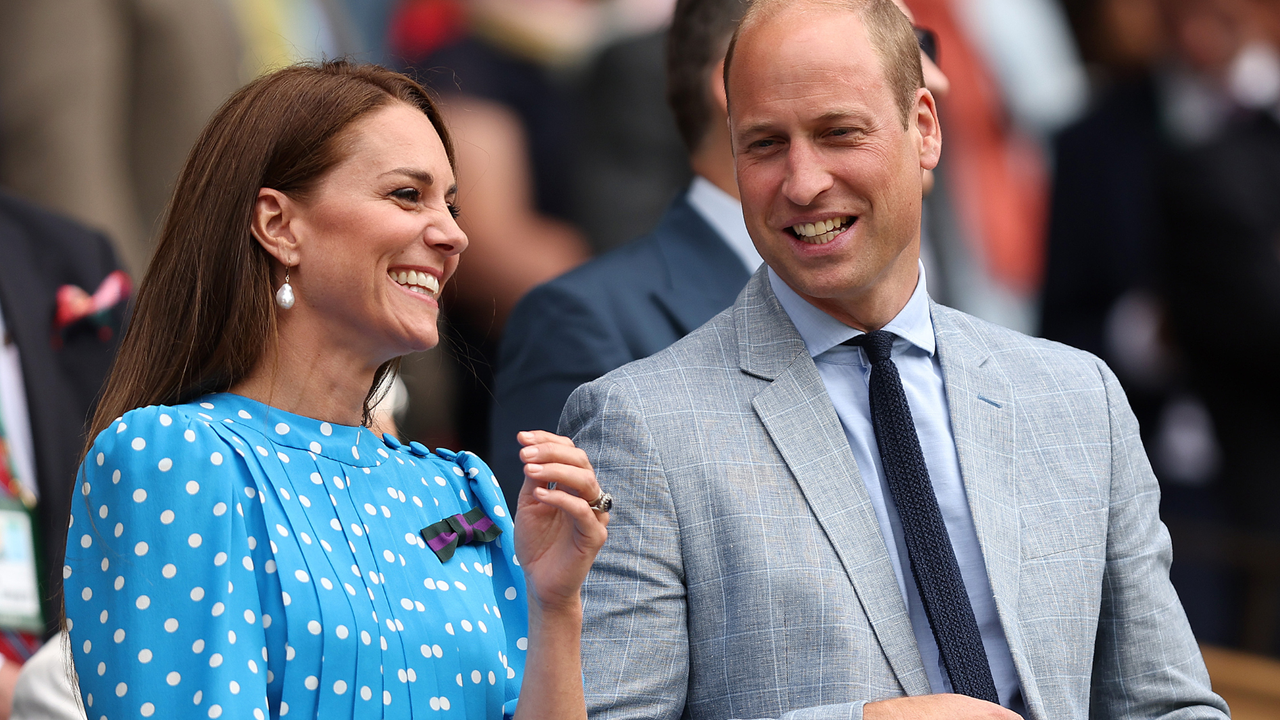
point(272, 225)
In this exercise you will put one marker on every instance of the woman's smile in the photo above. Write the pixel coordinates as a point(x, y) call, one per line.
point(417, 282)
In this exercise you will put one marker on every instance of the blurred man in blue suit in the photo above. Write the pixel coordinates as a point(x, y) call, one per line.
point(62, 308)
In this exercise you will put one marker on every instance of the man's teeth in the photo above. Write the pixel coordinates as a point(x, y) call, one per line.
point(418, 282)
point(821, 232)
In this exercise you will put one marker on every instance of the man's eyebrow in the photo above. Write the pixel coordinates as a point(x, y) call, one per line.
point(842, 116)
point(757, 128)
point(833, 116)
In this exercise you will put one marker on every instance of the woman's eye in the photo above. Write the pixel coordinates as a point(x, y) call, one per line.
point(406, 194)
point(454, 212)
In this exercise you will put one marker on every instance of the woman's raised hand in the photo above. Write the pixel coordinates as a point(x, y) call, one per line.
point(557, 532)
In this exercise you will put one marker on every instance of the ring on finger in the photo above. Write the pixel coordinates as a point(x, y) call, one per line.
point(603, 503)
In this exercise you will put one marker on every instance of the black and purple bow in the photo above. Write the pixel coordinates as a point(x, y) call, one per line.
point(470, 528)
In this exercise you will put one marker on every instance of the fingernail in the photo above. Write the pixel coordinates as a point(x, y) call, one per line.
point(534, 468)
point(524, 436)
point(529, 452)
point(540, 492)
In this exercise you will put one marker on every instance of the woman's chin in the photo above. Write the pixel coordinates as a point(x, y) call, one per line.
point(421, 341)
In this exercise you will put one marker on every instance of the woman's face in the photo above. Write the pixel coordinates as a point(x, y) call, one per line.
point(377, 238)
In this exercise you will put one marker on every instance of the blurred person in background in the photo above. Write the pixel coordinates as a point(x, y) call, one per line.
point(631, 161)
point(638, 299)
point(1100, 272)
point(1016, 78)
point(1172, 82)
point(100, 101)
point(1220, 282)
point(1162, 73)
point(634, 301)
point(62, 308)
point(515, 132)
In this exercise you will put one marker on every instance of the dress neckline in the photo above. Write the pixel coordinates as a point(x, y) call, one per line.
point(348, 444)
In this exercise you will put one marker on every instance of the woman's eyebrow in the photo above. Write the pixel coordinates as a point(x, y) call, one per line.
point(421, 176)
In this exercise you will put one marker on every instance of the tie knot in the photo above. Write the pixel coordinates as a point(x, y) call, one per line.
point(878, 345)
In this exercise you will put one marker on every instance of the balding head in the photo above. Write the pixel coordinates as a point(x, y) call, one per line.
point(888, 30)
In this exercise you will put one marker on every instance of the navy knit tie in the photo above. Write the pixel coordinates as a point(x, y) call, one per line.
point(933, 562)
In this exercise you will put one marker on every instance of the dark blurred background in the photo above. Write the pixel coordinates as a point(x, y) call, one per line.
point(1111, 180)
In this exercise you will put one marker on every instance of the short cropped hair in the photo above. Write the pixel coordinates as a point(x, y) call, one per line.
point(699, 35)
point(888, 29)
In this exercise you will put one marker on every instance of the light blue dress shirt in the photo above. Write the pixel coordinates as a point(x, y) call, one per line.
point(846, 372)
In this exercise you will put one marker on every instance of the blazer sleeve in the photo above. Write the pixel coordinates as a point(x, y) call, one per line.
point(635, 641)
point(1146, 661)
point(635, 645)
point(556, 340)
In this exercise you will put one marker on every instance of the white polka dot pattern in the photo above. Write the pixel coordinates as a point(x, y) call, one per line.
point(226, 559)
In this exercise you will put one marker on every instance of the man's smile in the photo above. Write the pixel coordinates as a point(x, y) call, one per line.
point(823, 231)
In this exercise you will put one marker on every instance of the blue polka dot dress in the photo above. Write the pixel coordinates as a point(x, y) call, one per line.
point(228, 559)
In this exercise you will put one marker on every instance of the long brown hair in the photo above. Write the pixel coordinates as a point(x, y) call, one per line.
point(204, 313)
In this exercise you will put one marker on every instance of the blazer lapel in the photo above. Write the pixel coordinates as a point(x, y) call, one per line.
point(798, 415)
point(704, 274)
point(984, 423)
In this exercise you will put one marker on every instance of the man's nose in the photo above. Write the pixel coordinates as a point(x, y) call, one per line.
point(807, 174)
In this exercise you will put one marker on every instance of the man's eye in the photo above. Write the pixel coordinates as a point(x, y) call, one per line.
point(406, 194)
point(847, 133)
point(763, 144)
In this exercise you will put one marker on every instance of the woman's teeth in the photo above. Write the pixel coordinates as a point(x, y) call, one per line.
point(419, 282)
point(821, 232)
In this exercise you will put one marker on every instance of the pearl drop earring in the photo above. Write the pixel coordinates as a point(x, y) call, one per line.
point(284, 296)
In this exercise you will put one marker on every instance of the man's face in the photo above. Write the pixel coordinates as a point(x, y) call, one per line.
point(818, 140)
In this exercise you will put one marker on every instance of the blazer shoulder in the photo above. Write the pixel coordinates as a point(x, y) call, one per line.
point(49, 226)
point(1016, 353)
point(600, 305)
point(712, 348)
point(635, 267)
point(56, 240)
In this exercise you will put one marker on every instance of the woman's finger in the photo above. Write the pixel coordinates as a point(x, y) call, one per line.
point(581, 481)
point(555, 453)
point(588, 522)
point(533, 437)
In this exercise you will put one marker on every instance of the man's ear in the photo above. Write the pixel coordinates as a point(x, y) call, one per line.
point(272, 225)
point(926, 123)
point(715, 87)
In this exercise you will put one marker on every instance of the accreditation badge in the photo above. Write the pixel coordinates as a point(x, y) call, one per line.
point(19, 587)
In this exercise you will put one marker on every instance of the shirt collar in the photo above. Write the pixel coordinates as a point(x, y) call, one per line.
point(724, 214)
point(821, 332)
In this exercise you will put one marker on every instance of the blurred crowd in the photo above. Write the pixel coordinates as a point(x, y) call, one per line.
point(1110, 180)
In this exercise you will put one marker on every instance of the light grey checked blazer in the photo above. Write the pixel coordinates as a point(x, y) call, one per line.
point(745, 575)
